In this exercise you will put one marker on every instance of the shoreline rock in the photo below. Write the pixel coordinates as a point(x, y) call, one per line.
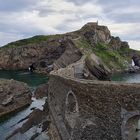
point(54, 52)
point(37, 119)
point(14, 96)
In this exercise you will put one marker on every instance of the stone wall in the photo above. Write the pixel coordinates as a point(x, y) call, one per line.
point(94, 110)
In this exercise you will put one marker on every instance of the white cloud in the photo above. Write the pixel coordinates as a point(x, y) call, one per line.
point(123, 29)
point(59, 16)
point(9, 37)
point(135, 44)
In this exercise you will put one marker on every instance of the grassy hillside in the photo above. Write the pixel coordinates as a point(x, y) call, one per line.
point(33, 40)
point(112, 58)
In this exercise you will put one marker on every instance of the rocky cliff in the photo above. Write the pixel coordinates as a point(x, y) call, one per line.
point(48, 53)
point(82, 109)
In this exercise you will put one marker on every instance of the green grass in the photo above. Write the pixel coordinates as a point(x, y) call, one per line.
point(124, 51)
point(84, 46)
point(110, 57)
point(33, 40)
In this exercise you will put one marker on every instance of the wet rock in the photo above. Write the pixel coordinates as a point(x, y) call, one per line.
point(34, 136)
point(36, 120)
point(136, 60)
point(14, 96)
point(33, 108)
point(41, 91)
point(133, 69)
point(45, 125)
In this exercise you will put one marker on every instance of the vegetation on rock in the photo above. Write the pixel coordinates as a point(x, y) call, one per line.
point(46, 50)
point(33, 40)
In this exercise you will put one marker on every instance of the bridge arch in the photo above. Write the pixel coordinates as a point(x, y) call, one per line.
point(132, 128)
point(71, 109)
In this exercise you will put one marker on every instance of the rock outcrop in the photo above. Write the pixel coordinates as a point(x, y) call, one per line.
point(21, 57)
point(117, 44)
point(41, 91)
point(95, 33)
point(42, 55)
point(78, 108)
point(136, 60)
point(49, 53)
point(14, 96)
point(33, 127)
point(97, 67)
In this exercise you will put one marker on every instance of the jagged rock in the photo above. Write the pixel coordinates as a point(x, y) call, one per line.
point(136, 60)
point(33, 120)
point(22, 57)
point(97, 67)
point(37, 119)
point(41, 91)
point(124, 44)
point(95, 33)
point(44, 55)
point(14, 96)
point(116, 43)
point(59, 51)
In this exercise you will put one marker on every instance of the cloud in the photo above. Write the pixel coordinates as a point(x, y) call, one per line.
point(16, 5)
point(8, 37)
point(121, 11)
point(81, 2)
point(25, 18)
point(134, 44)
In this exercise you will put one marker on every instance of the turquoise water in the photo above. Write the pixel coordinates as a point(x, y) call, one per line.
point(7, 126)
point(33, 80)
point(126, 77)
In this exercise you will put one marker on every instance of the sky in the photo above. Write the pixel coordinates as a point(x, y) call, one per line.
point(25, 18)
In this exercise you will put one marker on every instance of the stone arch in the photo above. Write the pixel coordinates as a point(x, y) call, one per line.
point(71, 109)
point(132, 128)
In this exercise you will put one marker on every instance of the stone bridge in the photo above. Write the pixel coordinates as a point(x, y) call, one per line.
point(94, 110)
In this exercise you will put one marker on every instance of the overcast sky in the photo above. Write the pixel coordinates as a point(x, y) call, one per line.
point(25, 18)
